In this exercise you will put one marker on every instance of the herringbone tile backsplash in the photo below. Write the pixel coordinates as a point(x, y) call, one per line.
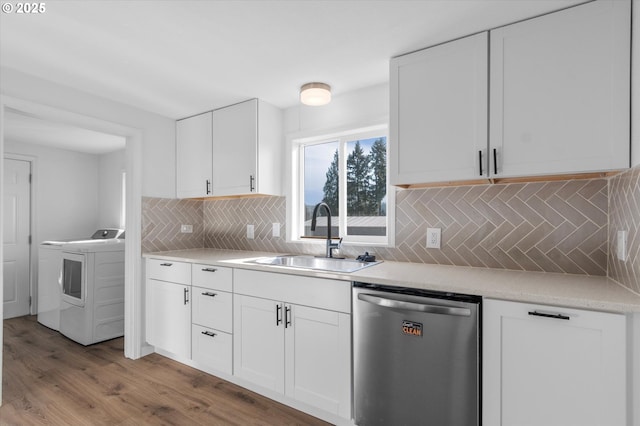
point(557, 226)
point(624, 214)
point(161, 221)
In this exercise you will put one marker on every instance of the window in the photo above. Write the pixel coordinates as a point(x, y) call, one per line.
point(348, 172)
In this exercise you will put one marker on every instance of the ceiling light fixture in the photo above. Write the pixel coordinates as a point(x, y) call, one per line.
point(315, 94)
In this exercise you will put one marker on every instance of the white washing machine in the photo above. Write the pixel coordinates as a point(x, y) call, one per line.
point(50, 274)
point(92, 300)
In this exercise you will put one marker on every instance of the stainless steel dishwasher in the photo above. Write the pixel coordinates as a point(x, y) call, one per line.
point(416, 357)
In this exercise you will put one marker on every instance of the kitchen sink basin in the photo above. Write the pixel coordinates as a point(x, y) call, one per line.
point(315, 263)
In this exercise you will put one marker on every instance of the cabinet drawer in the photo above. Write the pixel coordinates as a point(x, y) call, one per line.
point(213, 277)
point(168, 270)
point(212, 308)
point(212, 348)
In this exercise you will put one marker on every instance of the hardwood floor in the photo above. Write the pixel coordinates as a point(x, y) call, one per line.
point(48, 379)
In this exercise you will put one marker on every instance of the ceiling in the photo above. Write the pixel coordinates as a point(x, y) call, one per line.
point(23, 128)
point(179, 58)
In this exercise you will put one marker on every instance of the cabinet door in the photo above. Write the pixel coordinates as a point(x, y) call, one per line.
point(258, 343)
point(318, 358)
point(540, 370)
point(560, 91)
point(168, 317)
point(235, 138)
point(439, 113)
point(193, 156)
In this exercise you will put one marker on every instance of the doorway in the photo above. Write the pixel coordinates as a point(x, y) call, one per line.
point(133, 344)
point(16, 238)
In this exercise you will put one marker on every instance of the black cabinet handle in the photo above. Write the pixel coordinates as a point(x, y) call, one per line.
point(480, 162)
point(209, 333)
point(495, 161)
point(278, 314)
point(209, 269)
point(287, 316)
point(208, 293)
point(166, 264)
point(251, 180)
point(555, 316)
point(208, 188)
point(186, 296)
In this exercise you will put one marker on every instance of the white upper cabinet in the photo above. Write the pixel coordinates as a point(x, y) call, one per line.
point(439, 113)
point(236, 150)
point(544, 96)
point(193, 156)
point(560, 91)
point(247, 149)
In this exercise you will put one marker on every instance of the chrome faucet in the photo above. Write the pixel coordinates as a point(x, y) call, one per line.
point(330, 245)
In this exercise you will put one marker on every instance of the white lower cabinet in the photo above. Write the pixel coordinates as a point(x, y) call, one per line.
point(301, 351)
point(168, 317)
point(212, 348)
point(545, 365)
point(168, 306)
point(317, 346)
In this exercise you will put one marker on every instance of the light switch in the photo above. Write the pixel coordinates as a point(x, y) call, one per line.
point(275, 232)
point(186, 229)
point(250, 232)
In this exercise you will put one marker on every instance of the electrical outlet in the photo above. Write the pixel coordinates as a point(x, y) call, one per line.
point(186, 229)
point(275, 231)
point(250, 232)
point(433, 237)
point(621, 250)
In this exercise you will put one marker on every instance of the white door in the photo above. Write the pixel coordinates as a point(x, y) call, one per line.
point(193, 156)
point(438, 112)
point(560, 91)
point(235, 144)
point(318, 358)
point(552, 366)
point(17, 218)
point(169, 317)
point(258, 341)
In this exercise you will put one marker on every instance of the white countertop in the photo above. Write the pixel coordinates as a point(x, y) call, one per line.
point(576, 291)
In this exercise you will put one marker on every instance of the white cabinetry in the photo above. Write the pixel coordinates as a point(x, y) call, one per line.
point(247, 149)
point(236, 150)
point(546, 365)
point(560, 91)
point(212, 317)
point(168, 306)
point(193, 156)
point(439, 113)
point(292, 335)
point(558, 100)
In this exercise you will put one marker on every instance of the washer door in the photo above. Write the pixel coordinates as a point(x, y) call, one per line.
point(74, 278)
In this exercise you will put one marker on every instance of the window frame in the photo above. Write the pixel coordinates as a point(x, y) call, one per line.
point(296, 204)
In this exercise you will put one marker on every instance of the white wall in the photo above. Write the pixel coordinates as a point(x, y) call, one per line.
point(359, 108)
point(111, 166)
point(158, 133)
point(66, 191)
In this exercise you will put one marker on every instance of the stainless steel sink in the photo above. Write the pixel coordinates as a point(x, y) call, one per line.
point(315, 263)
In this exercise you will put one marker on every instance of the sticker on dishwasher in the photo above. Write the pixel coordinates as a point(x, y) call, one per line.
point(412, 328)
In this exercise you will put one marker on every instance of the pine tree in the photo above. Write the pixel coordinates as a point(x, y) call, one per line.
point(358, 183)
point(330, 188)
point(378, 176)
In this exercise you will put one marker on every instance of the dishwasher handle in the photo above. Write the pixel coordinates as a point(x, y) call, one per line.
point(412, 306)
